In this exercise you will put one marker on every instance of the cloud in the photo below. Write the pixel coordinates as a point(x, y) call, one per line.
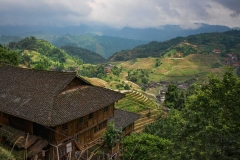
point(44, 12)
point(118, 14)
point(233, 5)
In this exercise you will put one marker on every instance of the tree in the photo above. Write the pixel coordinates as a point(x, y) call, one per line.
point(8, 57)
point(146, 147)
point(127, 87)
point(111, 136)
point(208, 125)
point(116, 71)
point(212, 115)
point(158, 62)
point(238, 72)
point(172, 96)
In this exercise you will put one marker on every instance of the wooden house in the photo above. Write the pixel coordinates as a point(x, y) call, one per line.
point(124, 121)
point(216, 51)
point(54, 115)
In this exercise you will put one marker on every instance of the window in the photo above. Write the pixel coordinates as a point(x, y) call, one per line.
point(100, 126)
point(64, 126)
point(80, 120)
point(90, 116)
point(77, 137)
point(105, 109)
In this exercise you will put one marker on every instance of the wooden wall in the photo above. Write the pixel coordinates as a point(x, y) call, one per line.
point(21, 124)
point(86, 128)
point(127, 130)
point(4, 118)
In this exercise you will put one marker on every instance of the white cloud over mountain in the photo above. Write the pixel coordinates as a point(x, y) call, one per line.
point(118, 14)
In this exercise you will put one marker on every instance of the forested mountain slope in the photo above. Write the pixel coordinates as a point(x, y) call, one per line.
point(103, 45)
point(226, 42)
point(86, 55)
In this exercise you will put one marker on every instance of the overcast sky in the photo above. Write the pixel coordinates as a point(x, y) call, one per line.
point(120, 13)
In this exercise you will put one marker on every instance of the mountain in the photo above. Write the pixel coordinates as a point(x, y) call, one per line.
point(6, 39)
point(103, 45)
point(226, 42)
point(162, 33)
point(40, 54)
point(86, 55)
point(165, 32)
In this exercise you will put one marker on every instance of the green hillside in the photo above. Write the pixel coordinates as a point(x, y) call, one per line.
point(103, 45)
point(136, 74)
point(226, 42)
point(40, 54)
point(86, 55)
point(192, 68)
point(136, 102)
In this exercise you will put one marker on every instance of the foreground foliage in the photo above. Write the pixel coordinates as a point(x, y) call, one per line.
point(207, 127)
point(8, 57)
point(145, 147)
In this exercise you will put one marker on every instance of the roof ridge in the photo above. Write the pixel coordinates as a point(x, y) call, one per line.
point(37, 70)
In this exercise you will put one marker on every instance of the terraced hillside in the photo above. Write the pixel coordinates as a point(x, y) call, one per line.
point(141, 104)
point(147, 117)
point(136, 102)
point(196, 66)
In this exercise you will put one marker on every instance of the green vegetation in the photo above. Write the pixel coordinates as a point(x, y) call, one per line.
point(86, 55)
point(103, 45)
point(8, 57)
point(226, 42)
point(158, 62)
point(172, 97)
point(14, 155)
point(111, 136)
point(192, 68)
point(40, 54)
point(93, 71)
point(136, 102)
point(152, 49)
point(145, 146)
point(138, 76)
point(207, 126)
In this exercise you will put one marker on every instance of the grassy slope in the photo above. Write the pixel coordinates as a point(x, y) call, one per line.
point(193, 67)
point(36, 56)
point(175, 69)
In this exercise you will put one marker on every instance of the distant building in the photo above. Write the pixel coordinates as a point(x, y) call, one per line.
point(231, 60)
point(216, 51)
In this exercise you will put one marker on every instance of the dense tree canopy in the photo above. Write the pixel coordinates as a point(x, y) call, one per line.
point(145, 147)
point(8, 57)
point(208, 125)
point(172, 96)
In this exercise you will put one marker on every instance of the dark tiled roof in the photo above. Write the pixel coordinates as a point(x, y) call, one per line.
point(81, 101)
point(123, 118)
point(37, 96)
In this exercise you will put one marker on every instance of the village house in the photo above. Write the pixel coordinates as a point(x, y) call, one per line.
point(231, 60)
point(54, 115)
point(216, 51)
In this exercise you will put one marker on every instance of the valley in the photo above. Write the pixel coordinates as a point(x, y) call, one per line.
point(143, 74)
